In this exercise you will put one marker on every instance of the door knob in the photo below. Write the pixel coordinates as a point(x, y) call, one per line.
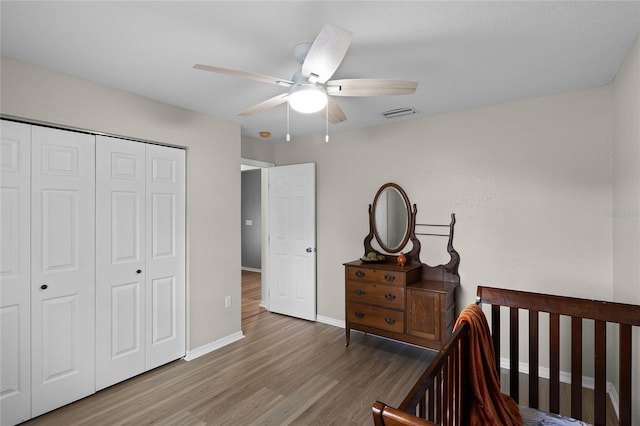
point(310, 249)
point(139, 271)
point(44, 287)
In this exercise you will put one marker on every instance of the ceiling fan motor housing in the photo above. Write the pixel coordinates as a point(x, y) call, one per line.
point(300, 51)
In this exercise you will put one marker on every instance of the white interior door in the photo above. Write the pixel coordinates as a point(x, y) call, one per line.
point(120, 260)
point(62, 267)
point(165, 255)
point(292, 240)
point(15, 294)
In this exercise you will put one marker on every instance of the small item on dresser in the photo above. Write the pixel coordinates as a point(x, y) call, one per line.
point(402, 259)
point(373, 257)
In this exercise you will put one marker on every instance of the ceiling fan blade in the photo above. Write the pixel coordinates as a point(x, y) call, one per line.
point(264, 105)
point(326, 53)
point(370, 87)
point(336, 115)
point(243, 74)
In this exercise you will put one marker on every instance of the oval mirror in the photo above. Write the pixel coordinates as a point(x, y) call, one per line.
point(391, 218)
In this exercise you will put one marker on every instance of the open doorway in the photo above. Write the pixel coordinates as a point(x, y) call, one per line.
point(253, 236)
point(286, 240)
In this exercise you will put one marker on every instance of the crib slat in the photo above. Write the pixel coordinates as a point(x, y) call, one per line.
point(442, 385)
point(514, 352)
point(600, 365)
point(464, 395)
point(453, 378)
point(495, 333)
point(554, 363)
point(576, 368)
point(432, 397)
point(445, 393)
point(533, 359)
point(625, 376)
point(455, 392)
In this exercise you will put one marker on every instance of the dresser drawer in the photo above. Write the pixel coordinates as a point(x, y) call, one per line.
point(385, 276)
point(372, 316)
point(387, 296)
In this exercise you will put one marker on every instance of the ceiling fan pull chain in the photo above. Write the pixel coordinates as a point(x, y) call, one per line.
point(326, 137)
point(288, 137)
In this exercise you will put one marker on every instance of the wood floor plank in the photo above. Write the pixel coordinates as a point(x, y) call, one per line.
point(243, 414)
point(290, 408)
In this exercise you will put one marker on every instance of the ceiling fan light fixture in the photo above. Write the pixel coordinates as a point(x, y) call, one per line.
point(307, 98)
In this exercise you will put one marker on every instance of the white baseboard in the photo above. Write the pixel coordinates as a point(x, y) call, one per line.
point(246, 268)
point(330, 321)
point(565, 377)
point(216, 344)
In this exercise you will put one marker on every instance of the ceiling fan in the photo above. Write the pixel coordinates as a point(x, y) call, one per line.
point(310, 89)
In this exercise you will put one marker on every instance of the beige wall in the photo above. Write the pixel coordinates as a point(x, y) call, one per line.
point(258, 149)
point(626, 182)
point(530, 183)
point(626, 194)
point(213, 175)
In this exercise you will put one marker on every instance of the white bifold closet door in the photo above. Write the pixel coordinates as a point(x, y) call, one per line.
point(62, 267)
point(15, 272)
point(140, 271)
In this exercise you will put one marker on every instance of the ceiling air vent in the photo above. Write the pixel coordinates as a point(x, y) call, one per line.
point(399, 112)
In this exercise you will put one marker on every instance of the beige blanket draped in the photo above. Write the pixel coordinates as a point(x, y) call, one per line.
point(489, 406)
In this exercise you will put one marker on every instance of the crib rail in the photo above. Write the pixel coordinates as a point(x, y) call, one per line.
point(442, 393)
point(439, 396)
point(621, 316)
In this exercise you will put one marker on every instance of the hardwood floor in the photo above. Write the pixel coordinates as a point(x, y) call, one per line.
point(251, 294)
point(285, 371)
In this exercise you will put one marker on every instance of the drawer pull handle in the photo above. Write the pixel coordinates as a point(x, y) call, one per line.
point(359, 314)
point(390, 297)
point(359, 274)
point(389, 277)
point(360, 292)
point(390, 321)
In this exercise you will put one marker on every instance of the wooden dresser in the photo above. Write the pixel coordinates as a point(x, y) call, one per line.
point(412, 302)
point(396, 302)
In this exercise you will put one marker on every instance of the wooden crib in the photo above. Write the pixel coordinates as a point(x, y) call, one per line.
point(441, 395)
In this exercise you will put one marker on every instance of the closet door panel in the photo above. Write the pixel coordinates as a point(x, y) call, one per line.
point(62, 267)
point(15, 295)
point(165, 256)
point(120, 253)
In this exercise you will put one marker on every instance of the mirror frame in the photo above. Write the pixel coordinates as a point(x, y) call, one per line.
point(413, 255)
point(407, 208)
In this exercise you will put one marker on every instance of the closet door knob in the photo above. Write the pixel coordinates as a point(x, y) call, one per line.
point(44, 287)
point(139, 271)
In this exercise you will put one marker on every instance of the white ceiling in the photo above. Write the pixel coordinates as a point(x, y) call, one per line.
point(464, 54)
